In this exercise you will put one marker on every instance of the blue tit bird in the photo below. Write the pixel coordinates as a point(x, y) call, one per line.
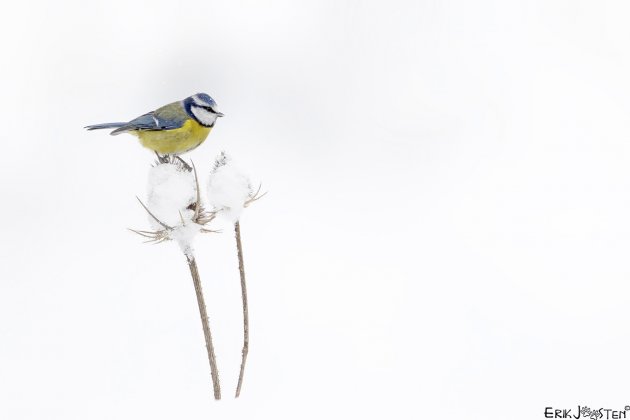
point(173, 129)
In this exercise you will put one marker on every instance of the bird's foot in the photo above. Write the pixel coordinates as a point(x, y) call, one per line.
point(175, 160)
point(162, 159)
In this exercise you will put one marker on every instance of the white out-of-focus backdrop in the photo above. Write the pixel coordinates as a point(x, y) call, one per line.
point(446, 234)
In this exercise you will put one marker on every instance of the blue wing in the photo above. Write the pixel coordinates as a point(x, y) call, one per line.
point(150, 121)
point(168, 117)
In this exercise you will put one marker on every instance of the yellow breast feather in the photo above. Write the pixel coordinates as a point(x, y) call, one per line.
point(179, 140)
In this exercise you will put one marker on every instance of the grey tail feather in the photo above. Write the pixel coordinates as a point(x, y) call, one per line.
point(106, 125)
point(120, 129)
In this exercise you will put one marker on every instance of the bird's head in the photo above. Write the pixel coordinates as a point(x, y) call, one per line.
point(202, 108)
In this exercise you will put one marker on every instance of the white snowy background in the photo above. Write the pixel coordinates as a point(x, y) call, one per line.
point(446, 234)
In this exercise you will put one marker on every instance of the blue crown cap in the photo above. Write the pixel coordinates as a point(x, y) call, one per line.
point(205, 98)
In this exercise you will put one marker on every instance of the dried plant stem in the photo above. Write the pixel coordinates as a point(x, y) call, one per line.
point(194, 272)
point(241, 269)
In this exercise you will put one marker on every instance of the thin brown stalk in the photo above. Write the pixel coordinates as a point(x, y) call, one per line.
point(241, 269)
point(214, 372)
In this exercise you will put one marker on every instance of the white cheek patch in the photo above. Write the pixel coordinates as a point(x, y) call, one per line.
point(205, 117)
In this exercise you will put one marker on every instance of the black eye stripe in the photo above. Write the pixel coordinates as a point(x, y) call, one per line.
point(207, 108)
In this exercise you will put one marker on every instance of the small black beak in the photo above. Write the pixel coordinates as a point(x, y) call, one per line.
point(219, 114)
